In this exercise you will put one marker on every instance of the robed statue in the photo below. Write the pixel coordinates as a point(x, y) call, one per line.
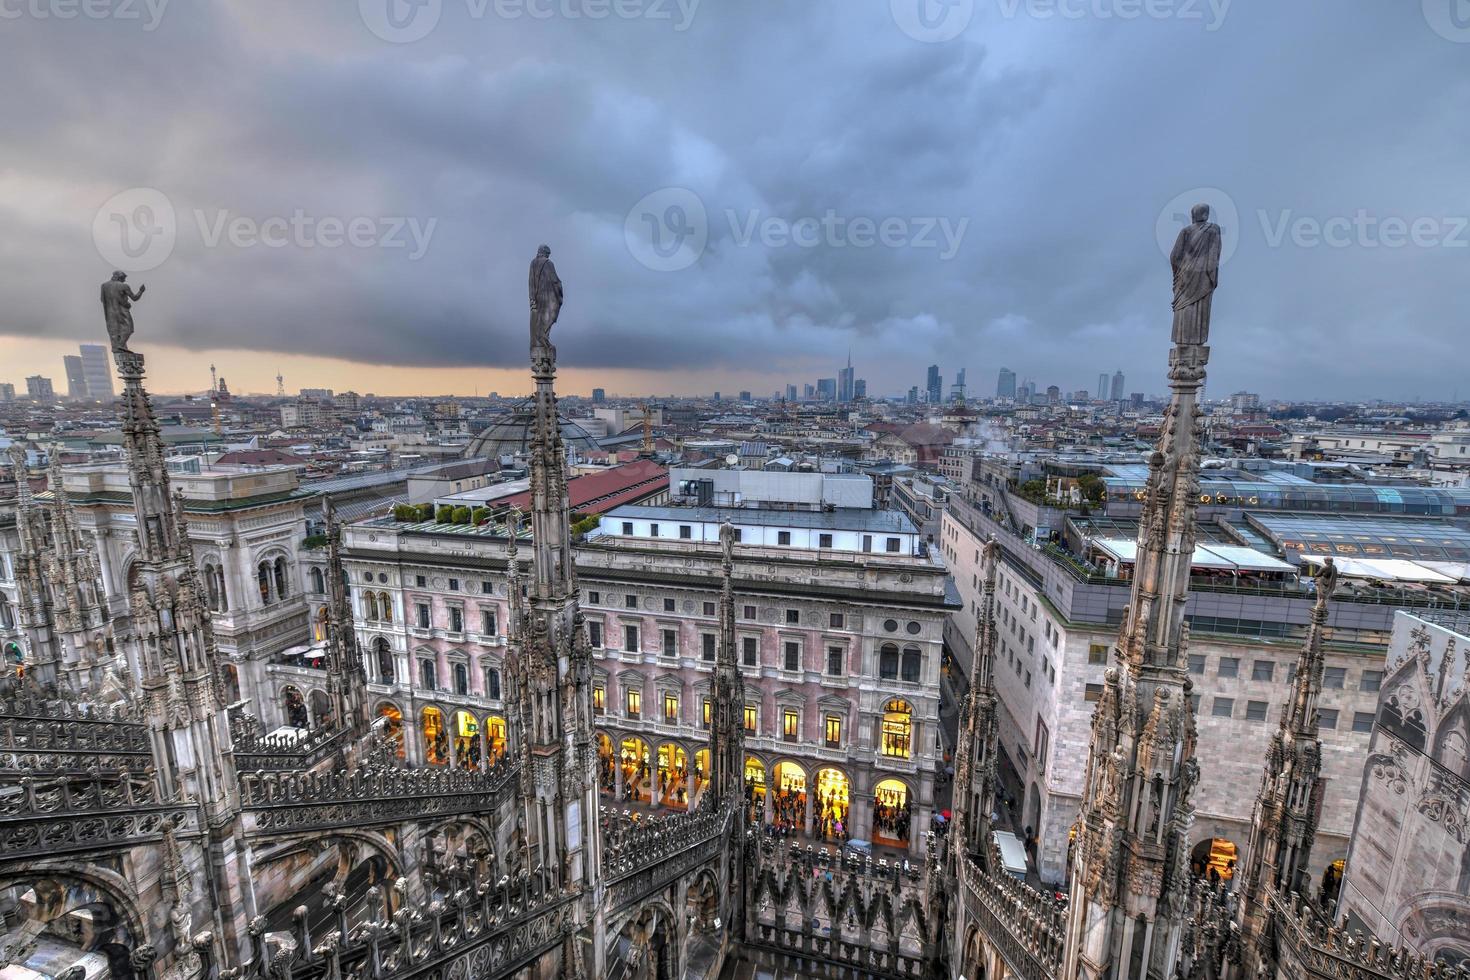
point(1196, 263)
point(545, 290)
point(117, 307)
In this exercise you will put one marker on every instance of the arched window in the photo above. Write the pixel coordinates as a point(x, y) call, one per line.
point(897, 728)
point(7, 618)
point(492, 683)
point(461, 679)
point(318, 581)
point(294, 708)
point(263, 576)
point(281, 590)
point(427, 675)
point(386, 607)
point(912, 662)
point(371, 599)
point(319, 631)
point(223, 596)
point(888, 662)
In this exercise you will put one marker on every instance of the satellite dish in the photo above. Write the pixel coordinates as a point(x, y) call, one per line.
point(732, 460)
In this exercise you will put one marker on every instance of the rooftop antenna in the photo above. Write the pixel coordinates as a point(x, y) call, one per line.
point(213, 380)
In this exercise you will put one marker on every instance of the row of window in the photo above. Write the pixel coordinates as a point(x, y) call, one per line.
point(824, 540)
point(1333, 678)
point(792, 617)
point(1223, 707)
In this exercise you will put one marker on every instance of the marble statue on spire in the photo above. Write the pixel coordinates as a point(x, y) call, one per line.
point(1195, 260)
point(545, 294)
point(117, 306)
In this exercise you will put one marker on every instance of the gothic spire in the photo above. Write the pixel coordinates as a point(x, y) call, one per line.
point(976, 753)
point(346, 676)
point(1289, 804)
point(1130, 870)
point(727, 689)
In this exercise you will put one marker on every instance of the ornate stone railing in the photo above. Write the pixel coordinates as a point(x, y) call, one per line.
point(33, 704)
point(282, 803)
point(282, 753)
point(100, 811)
point(641, 856)
point(858, 913)
point(1309, 947)
point(1027, 928)
point(489, 930)
point(32, 745)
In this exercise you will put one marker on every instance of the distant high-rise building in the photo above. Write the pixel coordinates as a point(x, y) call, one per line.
point(1053, 394)
point(809, 391)
point(859, 389)
point(320, 394)
point(40, 389)
point(717, 396)
point(76, 383)
point(913, 398)
point(97, 369)
point(599, 396)
point(1005, 387)
point(934, 384)
point(1117, 390)
point(1136, 399)
point(7, 392)
point(791, 393)
point(827, 389)
point(1102, 386)
point(745, 396)
point(844, 381)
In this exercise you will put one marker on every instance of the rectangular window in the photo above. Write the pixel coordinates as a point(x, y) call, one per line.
point(709, 608)
point(1255, 711)
point(790, 725)
point(653, 530)
point(669, 605)
point(594, 598)
point(671, 643)
point(1327, 718)
point(599, 699)
point(454, 585)
point(420, 581)
point(1362, 721)
point(1223, 707)
point(1370, 680)
point(422, 609)
point(594, 634)
point(456, 619)
point(685, 531)
point(630, 602)
point(834, 661)
point(1097, 653)
point(427, 678)
point(630, 639)
point(1093, 692)
point(894, 544)
point(1229, 667)
point(1334, 677)
point(750, 648)
point(783, 537)
point(671, 709)
point(824, 541)
point(793, 617)
point(1263, 670)
point(833, 732)
point(634, 702)
point(705, 712)
point(708, 640)
point(488, 622)
point(627, 527)
point(487, 587)
point(793, 655)
point(748, 612)
point(867, 542)
point(752, 717)
point(835, 621)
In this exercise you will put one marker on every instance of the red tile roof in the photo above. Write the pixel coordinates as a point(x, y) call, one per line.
point(260, 457)
point(596, 493)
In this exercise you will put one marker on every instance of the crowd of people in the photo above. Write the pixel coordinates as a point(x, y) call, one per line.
point(891, 816)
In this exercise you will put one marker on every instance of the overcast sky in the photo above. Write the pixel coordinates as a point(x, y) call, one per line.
point(834, 175)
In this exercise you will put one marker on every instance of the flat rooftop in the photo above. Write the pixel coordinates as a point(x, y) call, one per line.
point(838, 519)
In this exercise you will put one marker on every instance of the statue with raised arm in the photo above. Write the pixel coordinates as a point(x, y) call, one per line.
point(117, 306)
point(1195, 260)
point(545, 290)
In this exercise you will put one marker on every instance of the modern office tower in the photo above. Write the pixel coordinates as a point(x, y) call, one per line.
point(791, 393)
point(1117, 390)
point(7, 393)
point(809, 391)
point(934, 384)
point(913, 395)
point(859, 389)
point(97, 369)
point(1102, 386)
point(40, 389)
point(599, 396)
point(827, 389)
point(76, 383)
point(745, 396)
point(1005, 387)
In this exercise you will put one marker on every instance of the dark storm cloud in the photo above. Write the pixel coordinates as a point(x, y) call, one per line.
point(1044, 147)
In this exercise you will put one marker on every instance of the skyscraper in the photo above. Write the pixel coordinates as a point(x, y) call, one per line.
point(827, 389)
point(913, 398)
point(935, 385)
point(859, 389)
point(1117, 390)
point(40, 389)
point(76, 384)
point(1102, 387)
point(1006, 386)
point(97, 369)
point(7, 393)
point(957, 391)
point(791, 393)
point(599, 396)
point(844, 381)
